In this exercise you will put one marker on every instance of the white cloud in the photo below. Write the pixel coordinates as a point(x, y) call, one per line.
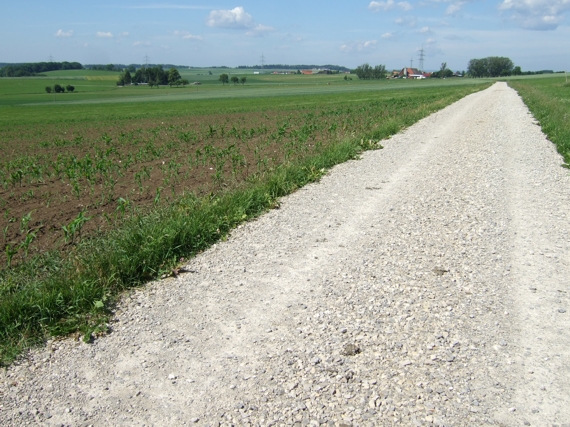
point(61, 33)
point(407, 21)
point(185, 35)
point(123, 34)
point(454, 8)
point(425, 30)
point(431, 48)
point(387, 36)
point(236, 18)
point(141, 44)
point(358, 46)
point(259, 30)
point(387, 5)
point(104, 35)
point(536, 14)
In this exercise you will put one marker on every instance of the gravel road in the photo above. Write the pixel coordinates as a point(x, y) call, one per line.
point(425, 284)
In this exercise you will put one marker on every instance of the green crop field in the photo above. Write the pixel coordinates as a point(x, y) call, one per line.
point(108, 187)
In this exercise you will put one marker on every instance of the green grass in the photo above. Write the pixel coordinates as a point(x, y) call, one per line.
point(93, 87)
point(549, 101)
point(52, 294)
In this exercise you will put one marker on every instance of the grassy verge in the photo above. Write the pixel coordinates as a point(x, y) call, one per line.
point(549, 100)
point(52, 295)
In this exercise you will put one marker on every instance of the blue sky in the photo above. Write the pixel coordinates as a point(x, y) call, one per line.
point(535, 34)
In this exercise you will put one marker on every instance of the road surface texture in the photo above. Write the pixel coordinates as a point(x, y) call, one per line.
point(425, 284)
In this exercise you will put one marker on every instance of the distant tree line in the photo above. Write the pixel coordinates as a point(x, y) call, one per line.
point(294, 67)
point(492, 66)
point(35, 68)
point(153, 76)
point(225, 78)
point(367, 72)
point(131, 67)
point(57, 88)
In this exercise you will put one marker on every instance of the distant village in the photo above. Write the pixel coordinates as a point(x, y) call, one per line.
point(404, 73)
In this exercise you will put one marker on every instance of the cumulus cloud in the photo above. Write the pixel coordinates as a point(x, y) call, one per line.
point(358, 46)
point(536, 14)
point(387, 36)
point(61, 33)
point(237, 19)
point(139, 43)
point(377, 6)
point(425, 30)
point(123, 34)
point(104, 35)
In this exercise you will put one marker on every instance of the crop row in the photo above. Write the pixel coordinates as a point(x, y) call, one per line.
point(85, 173)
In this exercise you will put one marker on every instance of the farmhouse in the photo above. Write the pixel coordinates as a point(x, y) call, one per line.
point(411, 73)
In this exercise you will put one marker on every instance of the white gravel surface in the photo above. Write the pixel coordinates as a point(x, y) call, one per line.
point(425, 284)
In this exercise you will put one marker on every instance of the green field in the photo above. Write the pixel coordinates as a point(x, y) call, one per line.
point(156, 175)
point(100, 86)
point(549, 101)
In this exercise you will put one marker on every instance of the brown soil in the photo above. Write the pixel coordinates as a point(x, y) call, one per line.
point(142, 158)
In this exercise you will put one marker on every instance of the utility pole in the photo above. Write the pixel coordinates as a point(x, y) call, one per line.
point(262, 60)
point(412, 63)
point(422, 55)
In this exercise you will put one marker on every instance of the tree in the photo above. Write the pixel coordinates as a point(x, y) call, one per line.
point(363, 71)
point(492, 66)
point(174, 77)
point(58, 88)
point(442, 69)
point(477, 68)
point(127, 78)
point(69, 88)
point(184, 82)
point(366, 72)
point(379, 72)
point(224, 78)
point(499, 66)
point(48, 89)
point(517, 71)
point(243, 80)
point(235, 80)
